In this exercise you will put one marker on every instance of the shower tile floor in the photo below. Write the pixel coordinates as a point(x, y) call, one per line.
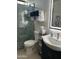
point(21, 54)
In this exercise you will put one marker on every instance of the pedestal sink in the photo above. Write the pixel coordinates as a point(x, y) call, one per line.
point(52, 42)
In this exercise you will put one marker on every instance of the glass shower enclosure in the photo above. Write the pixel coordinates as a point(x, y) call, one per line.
point(25, 28)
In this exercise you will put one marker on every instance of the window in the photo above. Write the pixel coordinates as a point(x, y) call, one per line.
point(55, 14)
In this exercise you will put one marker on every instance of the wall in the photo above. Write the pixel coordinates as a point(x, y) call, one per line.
point(42, 5)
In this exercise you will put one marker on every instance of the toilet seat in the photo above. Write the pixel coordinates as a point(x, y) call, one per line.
point(29, 43)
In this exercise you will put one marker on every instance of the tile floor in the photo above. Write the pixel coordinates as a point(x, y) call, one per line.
point(21, 54)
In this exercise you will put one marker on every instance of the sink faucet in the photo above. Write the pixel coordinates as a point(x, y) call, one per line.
point(58, 36)
point(55, 35)
point(51, 34)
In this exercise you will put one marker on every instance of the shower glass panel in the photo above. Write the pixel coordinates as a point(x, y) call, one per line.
point(24, 27)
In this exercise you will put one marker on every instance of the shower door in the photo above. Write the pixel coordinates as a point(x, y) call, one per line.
point(24, 32)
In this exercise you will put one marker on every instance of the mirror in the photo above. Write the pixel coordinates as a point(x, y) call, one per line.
point(55, 14)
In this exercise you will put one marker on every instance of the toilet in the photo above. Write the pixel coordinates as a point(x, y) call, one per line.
point(31, 47)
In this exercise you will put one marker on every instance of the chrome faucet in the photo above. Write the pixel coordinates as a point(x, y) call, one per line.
point(58, 36)
point(51, 34)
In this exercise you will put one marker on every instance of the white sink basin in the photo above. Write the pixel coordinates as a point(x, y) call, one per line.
point(52, 43)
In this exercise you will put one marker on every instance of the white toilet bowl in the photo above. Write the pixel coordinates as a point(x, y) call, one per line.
point(30, 46)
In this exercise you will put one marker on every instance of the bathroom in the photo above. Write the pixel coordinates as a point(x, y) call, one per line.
point(39, 29)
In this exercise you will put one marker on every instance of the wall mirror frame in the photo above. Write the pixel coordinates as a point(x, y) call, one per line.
point(55, 14)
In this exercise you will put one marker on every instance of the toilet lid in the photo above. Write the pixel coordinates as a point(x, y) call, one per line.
point(29, 43)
